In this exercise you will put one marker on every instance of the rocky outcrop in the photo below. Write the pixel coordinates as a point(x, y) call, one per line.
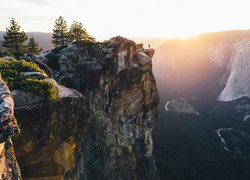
point(22, 98)
point(47, 145)
point(180, 105)
point(120, 100)
point(150, 52)
point(9, 168)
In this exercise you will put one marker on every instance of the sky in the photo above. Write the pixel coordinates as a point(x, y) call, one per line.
point(130, 18)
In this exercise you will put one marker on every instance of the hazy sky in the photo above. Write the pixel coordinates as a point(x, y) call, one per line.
point(131, 18)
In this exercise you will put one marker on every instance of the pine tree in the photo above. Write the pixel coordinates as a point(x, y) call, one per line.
point(78, 33)
point(14, 38)
point(60, 35)
point(33, 48)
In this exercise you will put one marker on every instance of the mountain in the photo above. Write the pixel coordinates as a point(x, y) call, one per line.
point(203, 129)
point(43, 39)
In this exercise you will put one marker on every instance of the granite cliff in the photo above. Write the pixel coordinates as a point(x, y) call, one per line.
point(101, 127)
point(9, 168)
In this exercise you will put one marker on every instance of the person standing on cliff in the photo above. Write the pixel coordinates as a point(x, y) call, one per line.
point(9, 169)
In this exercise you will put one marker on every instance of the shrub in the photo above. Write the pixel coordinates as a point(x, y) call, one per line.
point(40, 87)
point(12, 73)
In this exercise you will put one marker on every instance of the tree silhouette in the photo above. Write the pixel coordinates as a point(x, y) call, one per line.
point(78, 33)
point(14, 37)
point(60, 32)
point(33, 48)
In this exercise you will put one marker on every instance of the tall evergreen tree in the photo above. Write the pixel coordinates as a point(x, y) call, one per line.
point(60, 32)
point(78, 33)
point(14, 37)
point(32, 47)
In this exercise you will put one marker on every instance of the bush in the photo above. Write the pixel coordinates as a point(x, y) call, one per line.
point(40, 88)
point(12, 73)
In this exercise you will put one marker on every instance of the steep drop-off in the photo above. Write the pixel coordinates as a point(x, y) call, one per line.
point(106, 134)
point(48, 142)
point(121, 103)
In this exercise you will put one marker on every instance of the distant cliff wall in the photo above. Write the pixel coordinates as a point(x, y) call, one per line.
point(215, 62)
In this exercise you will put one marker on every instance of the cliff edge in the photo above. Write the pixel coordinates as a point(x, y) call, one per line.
point(121, 101)
point(100, 125)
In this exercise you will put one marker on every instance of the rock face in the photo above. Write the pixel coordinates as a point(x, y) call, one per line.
point(120, 97)
point(47, 145)
point(9, 168)
point(22, 98)
point(238, 83)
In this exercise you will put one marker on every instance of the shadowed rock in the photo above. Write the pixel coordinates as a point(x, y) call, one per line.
point(121, 98)
point(9, 168)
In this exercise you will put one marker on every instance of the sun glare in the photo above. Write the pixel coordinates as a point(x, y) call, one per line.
point(146, 18)
point(185, 34)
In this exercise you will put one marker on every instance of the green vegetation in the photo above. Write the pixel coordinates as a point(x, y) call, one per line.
point(33, 48)
point(62, 36)
point(78, 33)
point(5, 53)
point(12, 72)
point(14, 38)
point(60, 33)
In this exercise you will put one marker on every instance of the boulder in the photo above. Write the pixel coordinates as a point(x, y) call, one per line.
point(23, 98)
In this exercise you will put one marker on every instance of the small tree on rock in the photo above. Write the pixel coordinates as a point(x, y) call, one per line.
point(78, 33)
point(33, 48)
point(14, 38)
point(60, 32)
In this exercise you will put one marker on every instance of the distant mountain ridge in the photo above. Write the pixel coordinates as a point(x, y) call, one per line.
point(44, 40)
